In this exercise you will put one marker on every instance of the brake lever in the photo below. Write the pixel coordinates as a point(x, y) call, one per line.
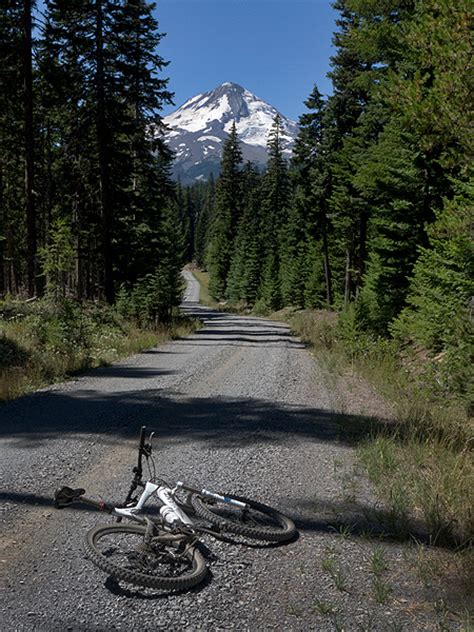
point(147, 448)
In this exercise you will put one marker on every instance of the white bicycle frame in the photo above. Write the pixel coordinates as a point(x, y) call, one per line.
point(170, 512)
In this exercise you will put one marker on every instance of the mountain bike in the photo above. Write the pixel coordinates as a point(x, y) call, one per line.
point(163, 551)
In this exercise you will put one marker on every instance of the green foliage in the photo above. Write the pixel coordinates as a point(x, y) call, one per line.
point(152, 299)
point(245, 268)
point(439, 313)
point(65, 331)
point(275, 198)
point(58, 258)
point(43, 341)
point(100, 168)
point(225, 217)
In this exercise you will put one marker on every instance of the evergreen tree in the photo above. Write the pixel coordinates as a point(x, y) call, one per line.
point(438, 317)
point(305, 237)
point(391, 182)
point(12, 193)
point(309, 139)
point(350, 75)
point(104, 97)
point(244, 272)
point(295, 250)
point(275, 197)
point(226, 216)
point(29, 145)
point(203, 221)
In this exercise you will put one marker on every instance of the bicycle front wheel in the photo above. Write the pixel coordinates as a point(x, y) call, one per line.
point(257, 521)
point(121, 551)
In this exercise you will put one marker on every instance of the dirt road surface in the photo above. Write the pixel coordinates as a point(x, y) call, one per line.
point(239, 406)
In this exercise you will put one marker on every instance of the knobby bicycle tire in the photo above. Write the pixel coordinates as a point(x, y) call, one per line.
point(195, 572)
point(260, 522)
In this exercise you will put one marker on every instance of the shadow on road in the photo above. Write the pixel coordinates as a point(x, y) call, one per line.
point(217, 421)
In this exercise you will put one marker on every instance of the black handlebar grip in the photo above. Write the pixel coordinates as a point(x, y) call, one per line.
point(142, 437)
point(141, 448)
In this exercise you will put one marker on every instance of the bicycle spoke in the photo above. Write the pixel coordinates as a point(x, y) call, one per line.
point(129, 551)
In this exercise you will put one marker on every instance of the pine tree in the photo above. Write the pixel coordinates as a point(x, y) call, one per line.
point(438, 317)
point(244, 272)
point(275, 197)
point(103, 97)
point(226, 216)
point(12, 192)
point(351, 80)
point(309, 139)
point(306, 235)
point(141, 158)
point(294, 250)
point(29, 145)
point(203, 221)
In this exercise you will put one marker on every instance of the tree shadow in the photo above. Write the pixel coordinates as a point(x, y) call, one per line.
point(219, 421)
point(129, 371)
point(349, 518)
point(12, 354)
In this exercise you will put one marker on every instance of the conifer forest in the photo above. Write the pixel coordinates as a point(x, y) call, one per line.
point(297, 330)
point(372, 217)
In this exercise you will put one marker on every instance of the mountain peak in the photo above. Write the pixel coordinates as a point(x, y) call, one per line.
point(199, 127)
point(231, 85)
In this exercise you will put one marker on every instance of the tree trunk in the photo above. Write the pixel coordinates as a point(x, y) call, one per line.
point(327, 264)
point(103, 146)
point(362, 249)
point(31, 238)
point(348, 278)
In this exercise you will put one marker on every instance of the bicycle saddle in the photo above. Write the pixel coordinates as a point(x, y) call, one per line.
point(65, 496)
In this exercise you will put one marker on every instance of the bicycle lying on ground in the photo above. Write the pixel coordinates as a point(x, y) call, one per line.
point(163, 551)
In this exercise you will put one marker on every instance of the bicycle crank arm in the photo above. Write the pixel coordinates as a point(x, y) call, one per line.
point(207, 494)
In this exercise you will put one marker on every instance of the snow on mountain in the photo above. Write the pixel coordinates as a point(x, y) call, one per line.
point(198, 129)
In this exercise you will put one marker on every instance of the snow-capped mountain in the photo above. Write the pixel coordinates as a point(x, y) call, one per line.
point(198, 129)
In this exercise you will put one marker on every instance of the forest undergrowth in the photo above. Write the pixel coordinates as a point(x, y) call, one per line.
point(421, 460)
point(46, 341)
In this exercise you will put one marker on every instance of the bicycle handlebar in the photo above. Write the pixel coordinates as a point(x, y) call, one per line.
point(141, 450)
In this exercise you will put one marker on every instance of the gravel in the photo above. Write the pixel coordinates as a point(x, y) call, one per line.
point(240, 406)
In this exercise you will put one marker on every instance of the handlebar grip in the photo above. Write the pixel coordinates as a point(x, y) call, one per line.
point(142, 437)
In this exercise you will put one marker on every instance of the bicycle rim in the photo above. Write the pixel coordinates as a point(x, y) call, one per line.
point(121, 551)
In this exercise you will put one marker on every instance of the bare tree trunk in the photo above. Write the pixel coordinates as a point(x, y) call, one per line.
point(2, 239)
point(103, 137)
point(362, 249)
point(348, 278)
point(327, 264)
point(29, 149)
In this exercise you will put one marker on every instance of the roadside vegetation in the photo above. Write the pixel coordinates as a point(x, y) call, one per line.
point(203, 277)
point(45, 341)
point(421, 458)
point(365, 238)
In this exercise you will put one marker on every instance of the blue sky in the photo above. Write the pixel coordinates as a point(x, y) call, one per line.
point(277, 49)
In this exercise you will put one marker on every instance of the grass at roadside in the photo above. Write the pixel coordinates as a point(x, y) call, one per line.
point(422, 462)
point(41, 343)
point(204, 296)
point(206, 299)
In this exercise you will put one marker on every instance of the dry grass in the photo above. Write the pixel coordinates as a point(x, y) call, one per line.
point(206, 299)
point(422, 463)
point(204, 296)
point(39, 347)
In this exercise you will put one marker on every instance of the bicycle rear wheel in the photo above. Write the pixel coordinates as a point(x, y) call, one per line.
point(121, 551)
point(257, 521)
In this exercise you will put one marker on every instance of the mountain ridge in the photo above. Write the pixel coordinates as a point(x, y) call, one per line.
point(198, 129)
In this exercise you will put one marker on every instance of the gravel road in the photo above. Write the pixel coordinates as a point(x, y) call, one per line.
point(239, 406)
